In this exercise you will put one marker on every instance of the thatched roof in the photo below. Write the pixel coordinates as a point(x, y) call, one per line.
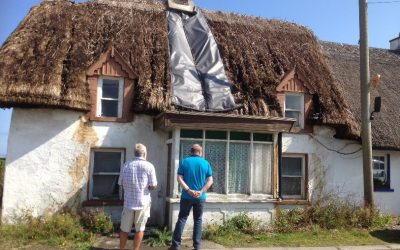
point(43, 63)
point(345, 64)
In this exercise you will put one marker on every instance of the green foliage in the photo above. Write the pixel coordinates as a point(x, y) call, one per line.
point(97, 222)
point(381, 221)
point(288, 220)
point(330, 214)
point(160, 238)
point(240, 223)
point(62, 230)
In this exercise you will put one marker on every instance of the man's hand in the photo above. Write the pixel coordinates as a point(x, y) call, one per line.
point(197, 194)
point(151, 188)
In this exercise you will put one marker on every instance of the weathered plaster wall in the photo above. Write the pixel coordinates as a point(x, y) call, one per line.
point(47, 167)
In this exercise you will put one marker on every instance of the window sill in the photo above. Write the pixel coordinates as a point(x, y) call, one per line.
point(294, 202)
point(384, 190)
point(97, 203)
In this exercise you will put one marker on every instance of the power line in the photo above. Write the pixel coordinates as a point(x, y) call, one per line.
point(334, 150)
point(384, 2)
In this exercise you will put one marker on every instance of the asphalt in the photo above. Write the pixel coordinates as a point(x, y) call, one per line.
point(113, 243)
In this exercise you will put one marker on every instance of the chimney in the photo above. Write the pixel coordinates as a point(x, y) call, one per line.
point(395, 43)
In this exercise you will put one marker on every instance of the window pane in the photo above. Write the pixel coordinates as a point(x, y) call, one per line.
point(109, 108)
point(185, 133)
point(109, 162)
point(215, 153)
point(292, 166)
point(184, 150)
point(379, 162)
point(291, 186)
point(240, 136)
point(110, 88)
point(262, 137)
point(221, 135)
point(293, 102)
point(261, 176)
point(238, 167)
point(105, 187)
point(379, 168)
point(295, 115)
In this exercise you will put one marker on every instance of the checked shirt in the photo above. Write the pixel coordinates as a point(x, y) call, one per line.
point(136, 176)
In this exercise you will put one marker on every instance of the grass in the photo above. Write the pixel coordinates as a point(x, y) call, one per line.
point(316, 238)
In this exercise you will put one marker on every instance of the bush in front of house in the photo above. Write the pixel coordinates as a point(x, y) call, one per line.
point(332, 213)
point(62, 230)
point(240, 223)
point(97, 222)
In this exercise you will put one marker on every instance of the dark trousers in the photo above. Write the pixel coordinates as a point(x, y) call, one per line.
point(185, 207)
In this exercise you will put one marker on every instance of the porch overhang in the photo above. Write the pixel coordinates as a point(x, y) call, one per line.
point(202, 120)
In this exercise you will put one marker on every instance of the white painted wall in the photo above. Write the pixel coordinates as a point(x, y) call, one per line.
point(41, 154)
point(329, 172)
point(47, 165)
point(217, 212)
point(390, 201)
point(340, 174)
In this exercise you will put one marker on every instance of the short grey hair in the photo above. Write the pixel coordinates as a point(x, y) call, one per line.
point(196, 148)
point(140, 150)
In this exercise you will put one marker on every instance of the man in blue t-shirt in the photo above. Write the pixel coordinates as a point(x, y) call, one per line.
point(195, 178)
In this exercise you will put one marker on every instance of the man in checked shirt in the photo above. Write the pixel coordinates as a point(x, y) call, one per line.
point(137, 179)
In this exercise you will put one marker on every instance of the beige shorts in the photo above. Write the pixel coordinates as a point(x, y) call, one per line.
point(137, 217)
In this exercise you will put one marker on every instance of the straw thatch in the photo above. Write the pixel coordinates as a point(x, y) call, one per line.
point(44, 62)
point(345, 64)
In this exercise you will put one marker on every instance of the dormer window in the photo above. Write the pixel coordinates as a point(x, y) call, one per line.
point(295, 100)
point(110, 81)
point(294, 108)
point(110, 97)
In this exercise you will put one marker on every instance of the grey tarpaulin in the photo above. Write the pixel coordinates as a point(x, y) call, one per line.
point(198, 77)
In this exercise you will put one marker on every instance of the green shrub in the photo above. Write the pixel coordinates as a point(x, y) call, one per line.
point(332, 213)
point(241, 222)
point(97, 222)
point(160, 238)
point(57, 230)
point(238, 223)
point(289, 220)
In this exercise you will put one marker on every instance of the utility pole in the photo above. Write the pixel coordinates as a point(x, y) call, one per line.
point(365, 105)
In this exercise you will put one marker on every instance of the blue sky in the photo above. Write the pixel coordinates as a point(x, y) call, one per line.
point(330, 20)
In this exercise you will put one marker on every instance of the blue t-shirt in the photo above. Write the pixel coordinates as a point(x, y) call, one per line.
point(195, 171)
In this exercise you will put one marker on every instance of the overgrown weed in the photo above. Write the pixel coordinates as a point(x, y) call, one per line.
point(62, 230)
point(160, 238)
point(97, 222)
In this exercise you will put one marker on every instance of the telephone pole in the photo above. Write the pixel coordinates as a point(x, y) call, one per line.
point(365, 105)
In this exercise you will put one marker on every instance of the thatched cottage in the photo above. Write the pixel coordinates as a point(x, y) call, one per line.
point(87, 81)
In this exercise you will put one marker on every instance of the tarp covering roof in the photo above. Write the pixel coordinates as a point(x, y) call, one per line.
point(44, 62)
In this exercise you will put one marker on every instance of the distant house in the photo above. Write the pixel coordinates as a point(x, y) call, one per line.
point(87, 81)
